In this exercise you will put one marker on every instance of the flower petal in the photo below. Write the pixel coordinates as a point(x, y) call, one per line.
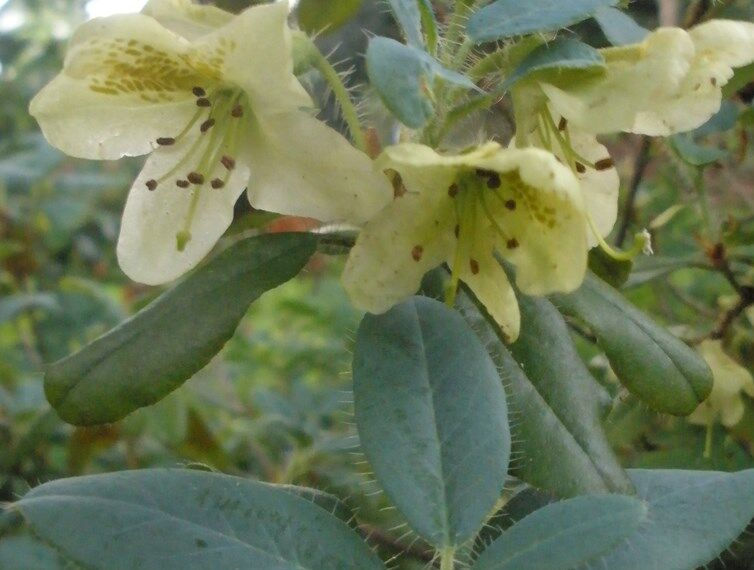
point(394, 250)
point(302, 167)
point(185, 18)
point(635, 79)
point(490, 285)
point(111, 99)
point(147, 248)
point(540, 208)
point(254, 51)
point(728, 42)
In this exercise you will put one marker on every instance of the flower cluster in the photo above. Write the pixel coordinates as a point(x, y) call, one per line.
point(213, 99)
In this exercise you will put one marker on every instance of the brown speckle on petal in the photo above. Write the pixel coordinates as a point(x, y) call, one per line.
point(417, 253)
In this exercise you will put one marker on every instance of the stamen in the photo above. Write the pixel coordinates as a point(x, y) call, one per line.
point(493, 181)
point(562, 124)
point(207, 125)
point(165, 141)
point(453, 190)
point(512, 243)
point(237, 111)
point(195, 178)
point(203, 102)
point(217, 183)
point(198, 91)
point(604, 164)
point(474, 266)
point(182, 183)
point(510, 204)
point(228, 162)
point(151, 185)
point(580, 168)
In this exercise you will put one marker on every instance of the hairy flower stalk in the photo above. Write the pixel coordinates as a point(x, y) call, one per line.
point(214, 100)
point(465, 210)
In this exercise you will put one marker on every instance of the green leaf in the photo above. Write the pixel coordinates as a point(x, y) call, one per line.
point(693, 516)
point(619, 28)
point(404, 77)
point(563, 535)
point(724, 120)
point(26, 553)
point(410, 19)
point(164, 519)
point(613, 271)
point(432, 419)
point(742, 76)
point(316, 16)
point(690, 152)
point(148, 356)
point(557, 55)
point(650, 361)
point(508, 18)
point(557, 434)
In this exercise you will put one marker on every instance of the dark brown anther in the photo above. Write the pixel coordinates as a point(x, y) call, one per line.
point(165, 141)
point(604, 164)
point(482, 173)
point(713, 81)
point(563, 124)
point(228, 162)
point(512, 243)
point(493, 182)
point(417, 253)
point(510, 204)
point(457, 230)
point(151, 185)
point(203, 102)
point(580, 168)
point(217, 183)
point(474, 266)
point(195, 178)
point(182, 183)
point(237, 112)
point(207, 125)
point(453, 190)
point(198, 91)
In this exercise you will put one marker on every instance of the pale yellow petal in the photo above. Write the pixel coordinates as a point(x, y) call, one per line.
point(393, 252)
point(725, 41)
point(148, 249)
point(111, 99)
point(302, 167)
point(540, 209)
point(489, 283)
point(185, 18)
point(635, 79)
point(253, 51)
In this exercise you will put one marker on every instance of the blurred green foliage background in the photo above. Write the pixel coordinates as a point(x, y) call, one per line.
point(276, 403)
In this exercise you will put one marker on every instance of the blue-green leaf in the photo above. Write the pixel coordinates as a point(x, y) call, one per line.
point(693, 516)
point(563, 535)
point(691, 152)
point(165, 519)
point(151, 354)
point(508, 18)
point(26, 553)
point(409, 16)
point(557, 433)
point(404, 77)
point(431, 415)
point(559, 54)
point(619, 28)
point(650, 361)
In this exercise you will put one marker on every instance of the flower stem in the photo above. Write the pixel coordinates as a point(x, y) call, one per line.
point(340, 91)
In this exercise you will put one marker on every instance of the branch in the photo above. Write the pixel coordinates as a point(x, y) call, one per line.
point(640, 167)
point(382, 538)
point(745, 301)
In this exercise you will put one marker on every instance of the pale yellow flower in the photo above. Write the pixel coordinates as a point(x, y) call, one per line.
point(726, 402)
point(219, 109)
point(521, 204)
